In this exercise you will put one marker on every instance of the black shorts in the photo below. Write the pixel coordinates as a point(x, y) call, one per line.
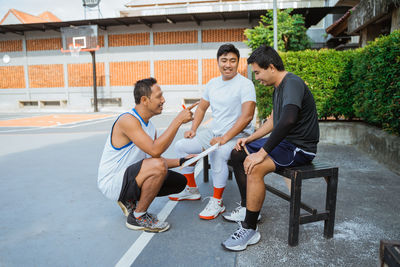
point(283, 155)
point(174, 183)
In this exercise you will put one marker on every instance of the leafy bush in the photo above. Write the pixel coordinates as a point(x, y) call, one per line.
point(376, 87)
point(320, 69)
point(342, 101)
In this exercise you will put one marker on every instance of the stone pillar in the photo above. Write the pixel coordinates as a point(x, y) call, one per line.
point(395, 20)
point(369, 33)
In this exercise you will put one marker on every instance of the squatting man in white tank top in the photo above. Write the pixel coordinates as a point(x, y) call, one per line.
point(131, 170)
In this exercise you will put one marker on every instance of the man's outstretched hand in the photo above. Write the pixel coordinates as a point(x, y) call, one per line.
point(186, 114)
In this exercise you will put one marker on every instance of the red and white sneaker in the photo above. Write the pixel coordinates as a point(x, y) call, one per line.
point(189, 193)
point(213, 209)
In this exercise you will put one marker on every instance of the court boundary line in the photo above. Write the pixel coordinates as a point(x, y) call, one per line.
point(61, 126)
point(139, 245)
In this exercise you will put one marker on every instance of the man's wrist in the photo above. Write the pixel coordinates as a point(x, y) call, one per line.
point(179, 121)
point(263, 152)
point(182, 160)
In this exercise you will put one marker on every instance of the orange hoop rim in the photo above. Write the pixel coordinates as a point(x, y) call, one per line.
point(82, 49)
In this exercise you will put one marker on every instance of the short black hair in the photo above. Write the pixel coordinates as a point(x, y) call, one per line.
point(227, 48)
point(264, 56)
point(143, 88)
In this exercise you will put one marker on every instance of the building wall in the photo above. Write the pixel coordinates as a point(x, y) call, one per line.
point(182, 57)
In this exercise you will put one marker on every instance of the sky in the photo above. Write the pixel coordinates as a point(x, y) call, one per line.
point(65, 10)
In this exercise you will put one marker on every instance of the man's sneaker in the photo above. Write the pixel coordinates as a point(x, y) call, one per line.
point(189, 193)
point(127, 206)
point(238, 215)
point(241, 238)
point(213, 209)
point(147, 222)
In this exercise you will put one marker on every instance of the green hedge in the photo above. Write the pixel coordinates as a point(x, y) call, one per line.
point(362, 83)
point(321, 70)
point(376, 75)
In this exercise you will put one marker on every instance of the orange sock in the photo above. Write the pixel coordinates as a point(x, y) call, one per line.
point(218, 192)
point(191, 182)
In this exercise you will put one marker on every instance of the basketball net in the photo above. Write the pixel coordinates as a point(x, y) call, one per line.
point(75, 50)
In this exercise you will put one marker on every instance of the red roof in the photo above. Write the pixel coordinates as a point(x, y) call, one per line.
point(28, 18)
point(340, 25)
point(47, 15)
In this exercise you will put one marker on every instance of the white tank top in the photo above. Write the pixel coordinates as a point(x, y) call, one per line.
point(115, 161)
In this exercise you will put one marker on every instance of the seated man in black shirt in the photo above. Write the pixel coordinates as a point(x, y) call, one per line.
point(294, 129)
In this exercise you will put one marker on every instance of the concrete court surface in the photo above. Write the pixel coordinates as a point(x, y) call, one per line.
point(52, 213)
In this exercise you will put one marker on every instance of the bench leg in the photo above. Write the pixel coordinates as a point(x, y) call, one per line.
point(331, 192)
point(205, 169)
point(229, 175)
point(294, 217)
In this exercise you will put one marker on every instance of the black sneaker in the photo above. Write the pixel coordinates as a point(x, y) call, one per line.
point(127, 206)
point(147, 222)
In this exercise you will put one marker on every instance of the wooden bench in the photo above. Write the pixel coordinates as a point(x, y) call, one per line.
point(297, 175)
point(389, 253)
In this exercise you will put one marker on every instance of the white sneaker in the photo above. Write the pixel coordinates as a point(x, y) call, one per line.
point(213, 209)
point(189, 193)
point(238, 215)
point(241, 238)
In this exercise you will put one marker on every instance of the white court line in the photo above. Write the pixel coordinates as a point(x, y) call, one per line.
point(84, 123)
point(69, 125)
point(134, 251)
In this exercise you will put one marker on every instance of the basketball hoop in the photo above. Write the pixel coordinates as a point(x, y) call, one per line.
point(75, 49)
point(76, 39)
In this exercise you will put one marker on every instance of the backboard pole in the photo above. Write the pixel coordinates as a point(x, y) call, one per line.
point(93, 53)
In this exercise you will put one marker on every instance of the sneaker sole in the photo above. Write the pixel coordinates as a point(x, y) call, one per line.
point(149, 230)
point(232, 220)
point(254, 240)
point(211, 217)
point(123, 208)
point(181, 199)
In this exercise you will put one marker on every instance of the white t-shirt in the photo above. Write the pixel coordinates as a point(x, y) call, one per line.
point(115, 161)
point(226, 99)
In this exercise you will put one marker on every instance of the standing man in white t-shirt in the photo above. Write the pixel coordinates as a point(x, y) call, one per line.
point(232, 99)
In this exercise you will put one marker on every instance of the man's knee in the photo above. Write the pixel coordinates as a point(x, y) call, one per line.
point(258, 173)
point(179, 147)
point(238, 157)
point(159, 166)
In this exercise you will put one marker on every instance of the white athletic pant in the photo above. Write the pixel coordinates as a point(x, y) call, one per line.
point(218, 158)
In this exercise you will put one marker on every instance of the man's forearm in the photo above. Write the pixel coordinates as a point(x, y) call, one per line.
point(240, 124)
point(163, 142)
point(198, 118)
point(286, 122)
point(265, 129)
point(244, 119)
point(172, 163)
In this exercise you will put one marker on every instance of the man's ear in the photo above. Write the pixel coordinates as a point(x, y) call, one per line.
point(272, 67)
point(144, 99)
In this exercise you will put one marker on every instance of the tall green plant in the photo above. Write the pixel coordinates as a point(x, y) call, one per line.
point(291, 37)
point(324, 71)
point(291, 32)
point(376, 75)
